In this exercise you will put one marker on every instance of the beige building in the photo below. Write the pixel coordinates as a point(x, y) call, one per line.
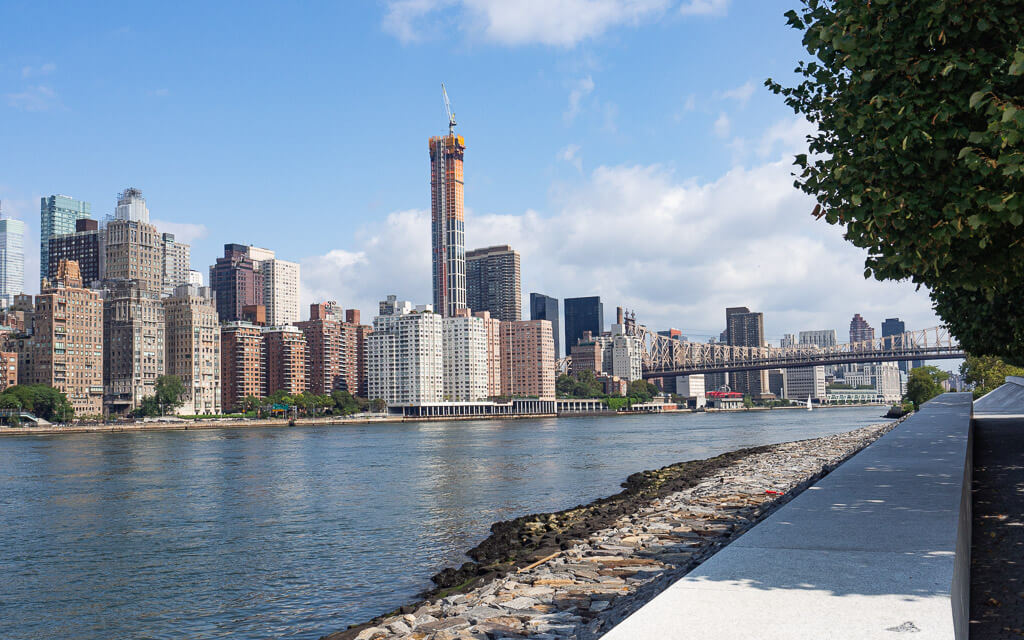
point(192, 343)
point(134, 251)
point(65, 350)
point(177, 263)
point(527, 359)
point(133, 334)
point(280, 286)
point(493, 326)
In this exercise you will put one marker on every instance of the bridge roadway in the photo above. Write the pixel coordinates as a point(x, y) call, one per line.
point(805, 360)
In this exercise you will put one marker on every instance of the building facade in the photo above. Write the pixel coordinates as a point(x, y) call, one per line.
point(241, 364)
point(405, 357)
point(745, 328)
point(134, 348)
point(9, 369)
point(801, 383)
point(447, 220)
point(465, 358)
point(492, 282)
point(493, 327)
point(236, 283)
point(192, 342)
point(354, 337)
point(544, 307)
point(65, 349)
point(527, 359)
point(12, 259)
point(860, 330)
point(177, 262)
point(819, 337)
point(57, 216)
point(280, 286)
point(133, 251)
point(86, 246)
point(284, 359)
point(582, 314)
point(326, 353)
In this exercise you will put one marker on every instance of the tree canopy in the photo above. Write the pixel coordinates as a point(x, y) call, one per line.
point(39, 399)
point(919, 149)
point(924, 383)
point(987, 372)
point(169, 392)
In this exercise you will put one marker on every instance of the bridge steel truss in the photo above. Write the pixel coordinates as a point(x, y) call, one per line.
point(668, 357)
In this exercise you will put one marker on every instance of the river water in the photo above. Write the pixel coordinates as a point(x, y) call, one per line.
point(297, 532)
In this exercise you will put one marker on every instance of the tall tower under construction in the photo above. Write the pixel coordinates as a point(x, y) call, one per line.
point(447, 222)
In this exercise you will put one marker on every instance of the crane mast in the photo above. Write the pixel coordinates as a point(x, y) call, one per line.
point(448, 109)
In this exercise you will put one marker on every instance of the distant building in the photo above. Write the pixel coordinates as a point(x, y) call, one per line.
point(465, 358)
point(447, 220)
point(493, 327)
point(692, 388)
point(393, 306)
point(177, 263)
point(492, 282)
point(9, 369)
point(804, 382)
point(65, 350)
point(582, 314)
point(57, 216)
point(746, 329)
point(324, 348)
point(280, 286)
point(354, 337)
point(284, 360)
point(788, 340)
point(236, 282)
point(587, 355)
point(405, 356)
point(192, 338)
point(12, 259)
point(86, 246)
point(195, 278)
point(860, 330)
point(544, 307)
point(133, 248)
point(892, 334)
point(133, 332)
point(820, 337)
point(241, 364)
point(527, 359)
point(131, 206)
point(777, 382)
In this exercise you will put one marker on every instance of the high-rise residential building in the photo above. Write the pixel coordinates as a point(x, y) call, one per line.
point(177, 262)
point(241, 364)
point(745, 328)
point(65, 349)
point(544, 307)
point(353, 343)
point(492, 282)
point(527, 359)
point(133, 338)
point(448, 237)
point(465, 358)
point(192, 344)
point(195, 278)
point(280, 286)
point(133, 247)
point(587, 355)
point(892, 334)
point(236, 283)
point(788, 340)
point(819, 337)
point(393, 306)
point(860, 330)
point(493, 327)
point(803, 382)
point(284, 359)
point(405, 357)
point(325, 351)
point(12, 259)
point(582, 314)
point(57, 216)
point(626, 357)
point(86, 246)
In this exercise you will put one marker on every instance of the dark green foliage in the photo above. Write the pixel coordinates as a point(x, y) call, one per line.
point(169, 391)
point(582, 385)
point(987, 373)
point(919, 152)
point(39, 399)
point(924, 384)
point(642, 390)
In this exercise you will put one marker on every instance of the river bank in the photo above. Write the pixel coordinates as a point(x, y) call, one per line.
point(578, 572)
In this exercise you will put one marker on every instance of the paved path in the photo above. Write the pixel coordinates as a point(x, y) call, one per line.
point(997, 555)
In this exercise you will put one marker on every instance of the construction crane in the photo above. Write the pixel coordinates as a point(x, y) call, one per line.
point(448, 108)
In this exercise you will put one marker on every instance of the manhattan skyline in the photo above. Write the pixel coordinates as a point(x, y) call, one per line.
point(675, 204)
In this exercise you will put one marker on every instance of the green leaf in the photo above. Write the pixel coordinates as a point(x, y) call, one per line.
point(976, 98)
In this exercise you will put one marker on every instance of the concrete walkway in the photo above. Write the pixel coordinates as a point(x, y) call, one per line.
point(878, 548)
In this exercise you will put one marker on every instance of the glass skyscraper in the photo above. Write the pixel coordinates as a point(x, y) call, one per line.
point(12, 259)
point(57, 216)
point(582, 314)
point(544, 307)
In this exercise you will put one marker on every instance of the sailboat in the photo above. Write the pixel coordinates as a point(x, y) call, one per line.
point(809, 403)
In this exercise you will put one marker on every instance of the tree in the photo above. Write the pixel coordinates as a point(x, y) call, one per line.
point(149, 408)
point(919, 149)
point(642, 390)
point(987, 373)
point(169, 390)
point(378, 405)
point(924, 383)
point(42, 400)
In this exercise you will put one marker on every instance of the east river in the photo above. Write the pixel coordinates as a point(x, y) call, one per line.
point(297, 532)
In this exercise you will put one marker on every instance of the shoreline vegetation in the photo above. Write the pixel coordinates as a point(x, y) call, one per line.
point(576, 573)
point(170, 423)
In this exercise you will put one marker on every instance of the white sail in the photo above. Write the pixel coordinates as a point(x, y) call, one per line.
point(809, 403)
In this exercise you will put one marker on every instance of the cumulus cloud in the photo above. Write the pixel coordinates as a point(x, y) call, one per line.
point(722, 126)
point(704, 8)
point(571, 154)
point(740, 94)
point(186, 232)
point(561, 23)
point(676, 250)
point(35, 98)
point(580, 89)
point(42, 70)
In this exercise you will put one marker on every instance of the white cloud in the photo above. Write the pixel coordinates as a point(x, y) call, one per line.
point(704, 8)
point(570, 154)
point(41, 70)
point(580, 89)
point(186, 232)
point(158, 93)
point(36, 98)
point(740, 94)
point(722, 126)
point(561, 23)
point(676, 250)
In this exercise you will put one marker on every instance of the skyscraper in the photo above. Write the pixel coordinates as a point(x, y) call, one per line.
point(582, 314)
point(492, 282)
point(527, 359)
point(237, 284)
point(280, 286)
point(448, 238)
point(324, 352)
point(192, 346)
point(819, 337)
point(12, 259)
point(86, 246)
point(544, 307)
point(860, 330)
point(57, 216)
point(746, 329)
point(177, 259)
point(133, 335)
point(895, 327)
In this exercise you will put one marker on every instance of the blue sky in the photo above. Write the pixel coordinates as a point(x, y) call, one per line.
point(627, 148)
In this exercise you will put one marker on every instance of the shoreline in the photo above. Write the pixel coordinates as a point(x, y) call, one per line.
point(575, 573)
point(231, 423)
